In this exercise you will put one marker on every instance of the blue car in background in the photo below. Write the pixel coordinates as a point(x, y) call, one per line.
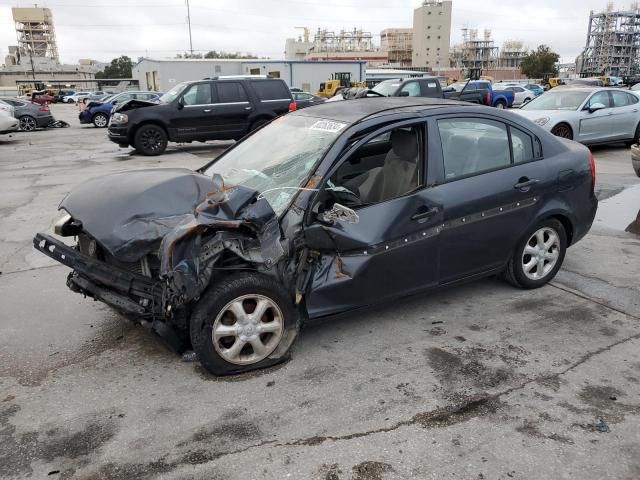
point(537, 89)
point(99, 113)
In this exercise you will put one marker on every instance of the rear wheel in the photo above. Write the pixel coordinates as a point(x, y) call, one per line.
point(100, 120)
point(562, 130)
point(150, 140)
point(245, 322)
point(501, 105)
point(539, 256)
point(27, 123)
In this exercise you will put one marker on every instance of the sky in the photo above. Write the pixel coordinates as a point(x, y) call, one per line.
point(158, 28)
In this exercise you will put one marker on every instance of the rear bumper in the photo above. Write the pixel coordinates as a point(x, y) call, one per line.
point(125, 291)
point(84, 117)
point(44, 120)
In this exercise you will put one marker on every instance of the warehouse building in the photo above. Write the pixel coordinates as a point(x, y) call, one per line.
point(163, 74)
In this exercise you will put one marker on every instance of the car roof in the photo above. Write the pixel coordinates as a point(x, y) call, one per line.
point(352, 111)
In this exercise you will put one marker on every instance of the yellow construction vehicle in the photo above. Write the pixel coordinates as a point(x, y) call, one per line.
point(337, 82)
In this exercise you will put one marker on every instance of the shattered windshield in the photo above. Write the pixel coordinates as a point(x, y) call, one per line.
point(387, 88)
point(172, 94)
point(277, 160)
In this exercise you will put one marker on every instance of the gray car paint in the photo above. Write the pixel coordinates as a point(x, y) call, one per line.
point(23, 108)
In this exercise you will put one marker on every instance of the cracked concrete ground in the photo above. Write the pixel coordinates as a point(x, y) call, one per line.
point(478, 382)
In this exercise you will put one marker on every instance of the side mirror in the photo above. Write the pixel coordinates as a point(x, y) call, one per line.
point(180, 103)
point(339, 213)
point(115, 102)
point(403, 94)
point(595, 107)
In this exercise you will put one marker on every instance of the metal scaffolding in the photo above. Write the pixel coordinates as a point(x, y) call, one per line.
point(478, 53)
point(613, 43)
point(36, 34)
point(355, 40)
point(512, 54)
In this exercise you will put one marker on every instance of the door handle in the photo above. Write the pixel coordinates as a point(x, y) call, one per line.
point(247, 108)
point(208, 110)
point(422, 214)
point(525, 184)
point(635, 110)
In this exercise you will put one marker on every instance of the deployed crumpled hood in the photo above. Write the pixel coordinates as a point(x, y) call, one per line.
point(132, 214)
point(133, 104)
point(128, 212)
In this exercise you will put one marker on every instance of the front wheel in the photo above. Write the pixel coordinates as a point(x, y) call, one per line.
point(245, 322)
point(539, 255)
point(563, 131)
point(100, 120)
point(150, 140)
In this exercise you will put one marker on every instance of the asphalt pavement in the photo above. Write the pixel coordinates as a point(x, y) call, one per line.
point(482, 381)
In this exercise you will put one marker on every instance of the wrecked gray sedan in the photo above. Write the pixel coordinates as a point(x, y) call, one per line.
point(324, 210)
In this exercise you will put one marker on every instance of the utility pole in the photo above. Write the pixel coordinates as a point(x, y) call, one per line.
point(189, 22)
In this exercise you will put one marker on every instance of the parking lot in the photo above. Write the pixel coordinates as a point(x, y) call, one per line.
point(482, 381)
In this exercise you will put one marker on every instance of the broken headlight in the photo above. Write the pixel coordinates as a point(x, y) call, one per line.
point(119, 119)
point(66, 226)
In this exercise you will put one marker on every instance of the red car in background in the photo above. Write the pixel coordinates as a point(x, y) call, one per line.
point(41, 98)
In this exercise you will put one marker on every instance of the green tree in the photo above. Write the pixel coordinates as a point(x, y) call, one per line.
point(119, 68)
point(540, 62)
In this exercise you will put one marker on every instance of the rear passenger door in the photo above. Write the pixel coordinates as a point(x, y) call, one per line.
point(232, 110)
point(492, 180)
point(625, 115)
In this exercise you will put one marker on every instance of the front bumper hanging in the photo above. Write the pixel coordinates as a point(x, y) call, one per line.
point(107, 283)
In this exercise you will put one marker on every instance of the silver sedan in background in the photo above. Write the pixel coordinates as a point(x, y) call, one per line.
point(587, 115)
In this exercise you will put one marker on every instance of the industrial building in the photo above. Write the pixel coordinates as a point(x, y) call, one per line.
point(512, 54)
point(613, 43)
point(432, 34)
point(36, 55)
point(163, 74)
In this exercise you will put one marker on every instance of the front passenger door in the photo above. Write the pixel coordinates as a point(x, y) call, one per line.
point(596, 126)
point(392, 248)
point(194, 120)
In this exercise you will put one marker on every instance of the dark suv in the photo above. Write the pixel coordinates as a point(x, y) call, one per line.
point(219, 108)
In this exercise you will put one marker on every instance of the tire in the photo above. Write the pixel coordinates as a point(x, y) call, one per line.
point(562, 130)
point(520, 271)
point(100, 120)
point(259, 123)
point(150, 140)
point(28, 123)
point(241, 293)
point(501, 105)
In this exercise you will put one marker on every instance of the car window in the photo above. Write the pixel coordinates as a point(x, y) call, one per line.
point(471, 146)
point(622, 99)
point(522, 145)
point(412, 88)
point(231, 92)
point(600, 97)
point(518, 89)
point(124, 97)
point(198, 94)
point(270, 90)
point(386, 167)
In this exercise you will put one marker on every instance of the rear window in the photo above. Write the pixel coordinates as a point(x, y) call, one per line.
point(231, 92)
point(271, 90)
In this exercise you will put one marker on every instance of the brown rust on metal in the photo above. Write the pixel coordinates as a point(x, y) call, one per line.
point(339, 271)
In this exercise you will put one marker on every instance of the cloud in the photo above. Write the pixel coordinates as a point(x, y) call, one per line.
point(93, 29)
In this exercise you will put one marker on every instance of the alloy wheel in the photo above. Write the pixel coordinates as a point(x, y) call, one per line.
point(100, 121)
point(151, 140)
point(27, 124)
point(248, 329)
point(562, 131)
point(541, 253)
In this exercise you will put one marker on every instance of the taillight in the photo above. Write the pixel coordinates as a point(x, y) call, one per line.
point(44, 108)
point(293, 107)
point(592, 166)
point(488, 98)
